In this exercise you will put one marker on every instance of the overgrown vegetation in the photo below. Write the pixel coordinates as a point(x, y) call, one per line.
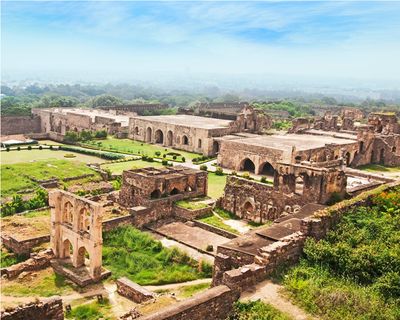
point(39, 200)
point(354, 273)
point(256, 310)
point(191, 205)
point(103, 155)
point(91, 311)
point(84, 135)
point(8, 258)
point(136, 255)
point(217, 222)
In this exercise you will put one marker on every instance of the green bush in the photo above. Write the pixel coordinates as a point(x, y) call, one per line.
point(19, 148)
point(263, 180)
point(103, 155)
point(157, 153)
point(219, 171)
point(29, 147)
point(174, 157)
point(164, 162)
point(18, 205)
point(256, 310)
point(40, 147)
point(51, 147)
point(8, 149)
point(183, 159)
point(203, 167)
point(246, 175)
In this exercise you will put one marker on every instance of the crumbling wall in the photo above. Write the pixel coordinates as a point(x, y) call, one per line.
point(133, 291)
point(215, 303)
point(49, 309)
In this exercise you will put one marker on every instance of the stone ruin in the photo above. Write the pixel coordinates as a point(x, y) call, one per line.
point(76, 223)
point(295, 185)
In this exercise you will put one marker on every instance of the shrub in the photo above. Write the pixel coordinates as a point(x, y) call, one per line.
point(263, 180)
point(234, 173)
point(18, 205)
point(51, 147)
point(174, 157)
point(29, 147)
point(246, 175)
point(18, 148)
point(209, 248)
point(219, 171)
point(69, 155)
point(164, 162)
point(8, 149)
point(164, 156)
point(203, 167)
point(157, 153)
point(103, 155)
point(40, 147)
point(183, 159)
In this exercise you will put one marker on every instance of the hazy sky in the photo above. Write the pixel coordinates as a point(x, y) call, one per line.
point(329, 39)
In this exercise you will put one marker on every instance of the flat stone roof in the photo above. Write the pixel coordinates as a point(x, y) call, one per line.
point(335, 134)
point(189, 121)
point(287, 141)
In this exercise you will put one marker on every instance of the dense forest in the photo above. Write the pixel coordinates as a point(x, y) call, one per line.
point(20, 100)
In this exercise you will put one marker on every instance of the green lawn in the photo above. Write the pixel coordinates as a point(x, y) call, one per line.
point(191, 204)
point(137, 147)
point(378, 168)
point(117, 168)
point(218, 222)
point(15, 177)
point(256, 310)
point(136, 255)
point(216, 185)
point(15, 156)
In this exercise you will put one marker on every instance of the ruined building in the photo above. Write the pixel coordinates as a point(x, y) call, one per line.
point(150, 192)
point(295, 185)
point(76, 231)
point(193, 133)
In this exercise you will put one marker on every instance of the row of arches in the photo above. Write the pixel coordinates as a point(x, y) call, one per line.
point(156, 194)
point(160, 138)
point(83, 217)
point(78, 257)
point(265, 169)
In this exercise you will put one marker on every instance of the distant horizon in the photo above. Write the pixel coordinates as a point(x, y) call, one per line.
point(77, 41)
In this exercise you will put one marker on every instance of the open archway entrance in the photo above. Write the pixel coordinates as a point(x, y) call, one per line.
point(155, 194)
point(215, 147)
point(347, 158)
point(169, 138)
point(67, 249)
point(81, 257)
point(267, 169)
point(248, 165)
point(174, 191)
point(159, 136)
point(185, 140)
point(248, 210)
point(148, 134)
point(382, 156)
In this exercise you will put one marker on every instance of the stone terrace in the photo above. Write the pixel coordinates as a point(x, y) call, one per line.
point(188, 121)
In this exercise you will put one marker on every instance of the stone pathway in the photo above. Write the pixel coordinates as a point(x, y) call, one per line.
point(269, 292)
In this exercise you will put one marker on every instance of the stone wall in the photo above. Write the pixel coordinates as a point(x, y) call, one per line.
point(133, 291)
point(213, 229)
point(19, 125)
point(215, 303)
point(189, 214)
point(37, 261)
point(23, 247)
point(111, 224)
point(49, 309)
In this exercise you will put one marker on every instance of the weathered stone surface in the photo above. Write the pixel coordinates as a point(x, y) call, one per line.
point(50, 309)
point(133, 291)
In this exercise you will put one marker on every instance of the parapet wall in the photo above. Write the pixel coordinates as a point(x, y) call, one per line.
point(43, 310)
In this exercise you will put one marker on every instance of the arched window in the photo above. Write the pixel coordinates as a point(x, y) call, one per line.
point(185, 140)
point(136, 130)
point(68, 215)
point(247, 211)
point(169, 138)
point(84, 220)
point(174, 191)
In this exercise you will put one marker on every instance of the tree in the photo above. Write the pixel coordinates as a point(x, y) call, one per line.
point(104, 100)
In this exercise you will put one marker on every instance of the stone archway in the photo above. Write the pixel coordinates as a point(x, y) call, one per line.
point(382, 156)
point(148, 134)
point(68, 215)
point(266, 169)
point(247, 210)
point(248, 165)
point(170, 138)
point(81, 256)
point(67, 249)
point(159, 137)
point(155, 194)
point(185, 140)
point(84, 220)
point(174, 191)
point(215, 147)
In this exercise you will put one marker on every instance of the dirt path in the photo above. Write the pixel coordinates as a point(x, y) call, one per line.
point(269, 293)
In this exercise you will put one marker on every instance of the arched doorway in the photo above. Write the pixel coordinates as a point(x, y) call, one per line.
point(248, 165)
point(174, 191)
point(136, 132)
point(299, 185)
point(185, 140)
point(155, 194)
point(159, 136)
point(347, 157)
point(81, 257)
point(248, 210)
point(267, 169)
point(148, 134)
point(169, 138)
point(67, 250)
point(215, 147)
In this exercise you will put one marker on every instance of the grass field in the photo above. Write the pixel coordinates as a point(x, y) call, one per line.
point(92, 311)
point(13, 157)
point(218, 222)
point(117, 168)
point(216, 185)
point(136, 255)
point(256, 310)
point(137, 147)
point(16, 177)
